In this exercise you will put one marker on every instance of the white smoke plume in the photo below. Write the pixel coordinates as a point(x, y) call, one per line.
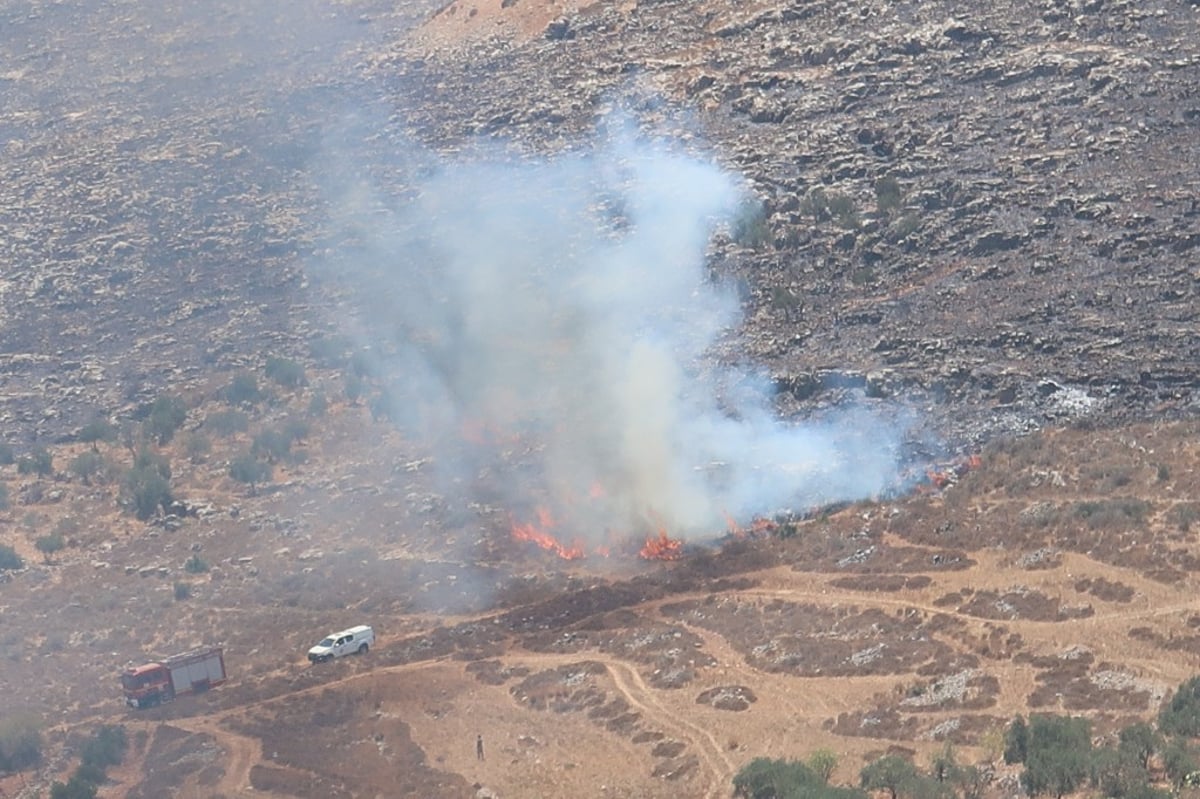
point(547, 325)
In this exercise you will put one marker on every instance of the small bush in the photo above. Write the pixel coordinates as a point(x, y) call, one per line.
point(318, 404)
point(271, 445)
point(354, 387)
point(364, 364)
point(20, 741)
point(106, 747)
point(843, 210)
point(99, 430)
point(1119, 513)
point(750, 227)
point(243, 389)
point(249, 470)
point(167, 414)
point(1184, 514)
point(87, 465)
point(9, 559)
point(195, 565)
point(7, 456)
point(182, 591)
point(329, 350)
point(286, 373)
point(3, 496)
point(147, 488)
point(196, 446)
point(49, 544)
point(889, 196)
point(227, 423)
point(39, 462)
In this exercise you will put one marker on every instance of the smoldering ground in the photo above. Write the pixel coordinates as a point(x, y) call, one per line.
point(546, 325)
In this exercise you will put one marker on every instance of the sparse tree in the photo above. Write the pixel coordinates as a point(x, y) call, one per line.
point(195, 565)
point(87, 465)
point(20, 741)
point(106, 747)
point(98, 430)
point(166, 415)
point(49, 544)
point(318, 404)
point(243, 389)
point(39, 462)
point(1016, 741)
point(1059, 755)
point(147, 485)
point(271, 445)
point(1179, 760)
point(227, 422)
point(890, 773)
point(354, 387)
point(9, 559)
point(1142, 741)
point(1181, 713)
point(250, 470)
point(889, 196)
point(822, 762)
point(285, 372)
point(196, 446)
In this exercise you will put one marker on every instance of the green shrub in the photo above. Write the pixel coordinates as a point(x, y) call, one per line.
point(1016, 741)
point(49, 544)
point(767, 778)
point(1184, 514)
point(889, 196)
point(1059, 756)
point(329, 350)
point(166, 415)
point(318, 404)
point(39, 462)
point(271, 444)
point(182, 591)
point(98, 430)
point(7, 456)
point(87, 465)
point(843, 210)
point(284, 372)
point(147, 485)
point(243, 389)
point(20, 741)
point(228, 422)
point(3, 496)
point(750, 227)
point(196, 446)
point(106, 747)
point(195, 565)
point(354, 387)
point(364, 364)
point(249, 470)
point(1180, 715)
point(1118, 513)
point(9, 559)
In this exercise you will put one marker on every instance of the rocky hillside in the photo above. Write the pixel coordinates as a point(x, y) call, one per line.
point(991, 214)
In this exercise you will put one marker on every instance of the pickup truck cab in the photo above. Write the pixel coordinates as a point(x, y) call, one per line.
point(354, 641)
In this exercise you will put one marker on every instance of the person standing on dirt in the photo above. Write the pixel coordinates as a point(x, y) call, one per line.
point(479, 747)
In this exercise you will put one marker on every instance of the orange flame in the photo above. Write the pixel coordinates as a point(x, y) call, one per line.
point(661, 547)
point(539, 533)
point(759, 527)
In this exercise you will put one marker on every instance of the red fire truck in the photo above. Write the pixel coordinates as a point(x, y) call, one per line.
point(187, 673)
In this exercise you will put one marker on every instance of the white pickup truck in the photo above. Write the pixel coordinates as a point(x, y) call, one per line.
point(355, 641)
